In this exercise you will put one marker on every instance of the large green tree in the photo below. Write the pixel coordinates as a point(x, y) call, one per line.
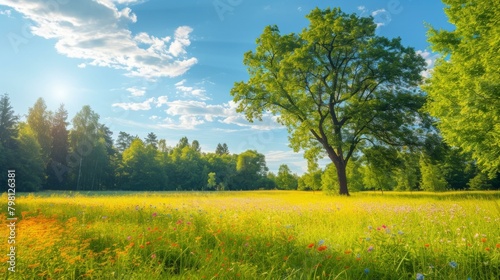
point(335, 85)
point(464, 87)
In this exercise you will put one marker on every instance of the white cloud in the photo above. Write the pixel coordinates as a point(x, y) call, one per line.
point(381, 17)
point(223, 113)
point(190, 122)
point(181, 40)
point(97, 31)
point(135, 106)
point(191, 92)
point(142, 106)
point(128, 1)
point(430, 59)
point(161, 100)
point(135, 91)
point(183, 123)
point(82, 65)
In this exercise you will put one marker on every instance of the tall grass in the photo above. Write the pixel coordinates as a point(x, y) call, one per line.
point(256, 235)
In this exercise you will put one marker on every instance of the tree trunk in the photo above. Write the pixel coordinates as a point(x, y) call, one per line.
point(342, 176)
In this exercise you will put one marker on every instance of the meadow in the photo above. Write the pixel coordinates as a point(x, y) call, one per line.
point(255, 235)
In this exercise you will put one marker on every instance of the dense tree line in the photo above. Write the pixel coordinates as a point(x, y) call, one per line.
point(48, 156)
point(437, 167)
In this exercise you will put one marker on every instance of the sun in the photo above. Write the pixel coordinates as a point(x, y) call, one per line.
point(59, 90)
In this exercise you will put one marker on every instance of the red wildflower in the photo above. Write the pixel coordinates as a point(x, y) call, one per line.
point(310, 245)
point(322, 248)
point(483, 240)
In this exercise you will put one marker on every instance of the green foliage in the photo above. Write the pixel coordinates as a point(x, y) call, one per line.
point(189, 171)
point(57, 175)
point(8, 134)
point(123, 141)
point(355, 175)
point(464, 87)
point(432, 178)
point(39, 121)
point(151, 140)
point(8, 122)
point(212, 182)
point(329, 179)
point(310, 181)
point(140, 168)
point(334, 86)
point(222, 149)
point(458, 168)
point(250, 168)
point(408, 172)
point(28, 161)
point(89, 146)
point(196, 146)
point(285, 179)
point(378, 171)
point(224, 166)
point(479, 182)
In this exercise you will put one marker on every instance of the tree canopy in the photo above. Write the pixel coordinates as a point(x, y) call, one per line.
point(464, 87)
point(336, 86)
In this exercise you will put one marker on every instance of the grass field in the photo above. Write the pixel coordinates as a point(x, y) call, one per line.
point(255, 235)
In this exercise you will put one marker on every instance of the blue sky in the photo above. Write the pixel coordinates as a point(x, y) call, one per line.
point(167, 66)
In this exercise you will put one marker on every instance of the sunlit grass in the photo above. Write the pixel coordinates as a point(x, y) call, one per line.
point(257, 235)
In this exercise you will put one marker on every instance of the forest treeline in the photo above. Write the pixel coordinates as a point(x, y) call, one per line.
point(48, 155)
